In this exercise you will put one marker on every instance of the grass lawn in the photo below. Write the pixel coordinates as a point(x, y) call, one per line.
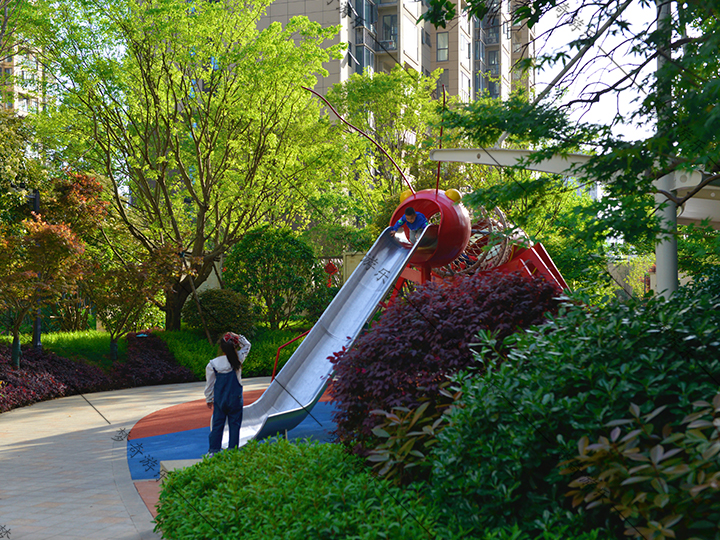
point(91, 346)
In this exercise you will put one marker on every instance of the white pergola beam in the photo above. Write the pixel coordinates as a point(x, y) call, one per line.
point(501, 157)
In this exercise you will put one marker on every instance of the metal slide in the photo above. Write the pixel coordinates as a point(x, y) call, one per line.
point(302, 381)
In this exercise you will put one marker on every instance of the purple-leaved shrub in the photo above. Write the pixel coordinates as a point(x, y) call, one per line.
point(422, 339)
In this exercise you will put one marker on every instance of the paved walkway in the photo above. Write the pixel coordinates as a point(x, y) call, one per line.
point(64, 470)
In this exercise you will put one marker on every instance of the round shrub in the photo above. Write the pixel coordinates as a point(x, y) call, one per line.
point(273, 267)
point(497, 460)
point(286, 491)
point(224, 310)
point(421, 340)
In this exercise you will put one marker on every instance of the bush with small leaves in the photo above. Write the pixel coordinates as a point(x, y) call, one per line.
point(496, 460)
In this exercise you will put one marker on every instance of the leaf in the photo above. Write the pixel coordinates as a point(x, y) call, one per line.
point(635, 480)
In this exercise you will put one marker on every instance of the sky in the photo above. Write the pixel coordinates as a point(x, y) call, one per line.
point(605, 69)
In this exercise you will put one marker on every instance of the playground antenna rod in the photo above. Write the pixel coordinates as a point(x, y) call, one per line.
point(437, 183)
point(361, 132)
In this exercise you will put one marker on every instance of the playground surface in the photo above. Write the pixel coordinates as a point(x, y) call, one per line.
point(85, 467)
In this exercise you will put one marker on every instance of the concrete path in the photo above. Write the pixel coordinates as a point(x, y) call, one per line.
point(63, 464)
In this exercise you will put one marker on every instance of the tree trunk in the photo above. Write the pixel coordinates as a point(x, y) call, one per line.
point(113, 350)
point(16, 349)
point(174, 302)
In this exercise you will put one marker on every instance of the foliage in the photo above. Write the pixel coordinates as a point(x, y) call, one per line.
point(39, 261)
point(282, 490)
point(664, 485)
point(698, 249)
point(679, 98)
point(396, 109)
point(223, 310)
point(211, 137)
point(149, 362)
point(496, 461)
point(46, 375)
point(317, 300)
point(273, 267)
point(120, 291)
point(418, 342)
point(406, 436)
point(192, 350)
point(20, 172)
point(331, 240)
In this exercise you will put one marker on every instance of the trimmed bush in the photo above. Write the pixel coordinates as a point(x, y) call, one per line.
point(45, 375)
point(317, 301)
point(497, 460)
point(224, 310)
point(274, 267)
point(286, 491)
point(421, 340)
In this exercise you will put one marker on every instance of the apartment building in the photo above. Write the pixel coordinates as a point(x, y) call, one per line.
point(476, 55)
point(19, 75)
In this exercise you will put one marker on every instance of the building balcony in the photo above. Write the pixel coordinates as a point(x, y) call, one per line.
point(386, 46)
point(492, 38)
point(493, 70)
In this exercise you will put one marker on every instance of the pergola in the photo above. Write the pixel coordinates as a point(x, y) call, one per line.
point(704, 204)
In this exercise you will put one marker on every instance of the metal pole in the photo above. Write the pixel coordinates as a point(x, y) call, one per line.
point(666, 255)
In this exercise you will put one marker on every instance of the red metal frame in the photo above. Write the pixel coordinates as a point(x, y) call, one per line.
point(277, 356)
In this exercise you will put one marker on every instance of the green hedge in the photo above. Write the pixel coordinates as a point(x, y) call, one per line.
point(287, 491)
point(498, 461)
point(192, 350)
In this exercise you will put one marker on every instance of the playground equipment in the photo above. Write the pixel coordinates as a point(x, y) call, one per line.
point(303, 379)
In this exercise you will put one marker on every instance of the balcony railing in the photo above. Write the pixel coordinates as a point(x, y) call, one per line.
point(386, 46)
point(493, 70)
point(491, 38)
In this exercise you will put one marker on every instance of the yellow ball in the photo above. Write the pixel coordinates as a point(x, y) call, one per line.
point(404, 195)
point(453, 194)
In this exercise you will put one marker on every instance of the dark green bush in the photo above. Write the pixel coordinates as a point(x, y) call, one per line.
point(224, 310)
point(287, 491)
point(496, 463)
point(317, 301)
point(664, 484)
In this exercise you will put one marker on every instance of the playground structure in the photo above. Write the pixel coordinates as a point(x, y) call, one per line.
point(455, 245)
point(450, 245)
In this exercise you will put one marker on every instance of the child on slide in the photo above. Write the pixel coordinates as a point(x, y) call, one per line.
point(415, 221)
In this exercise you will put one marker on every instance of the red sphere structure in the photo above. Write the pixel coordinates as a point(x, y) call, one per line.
point(448, 230)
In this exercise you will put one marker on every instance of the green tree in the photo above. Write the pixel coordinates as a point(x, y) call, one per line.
point(680, 100)
point(121, 289)
point(274, 267)
point(196, 117)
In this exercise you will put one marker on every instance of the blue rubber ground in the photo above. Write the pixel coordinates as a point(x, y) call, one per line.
point(145, 454)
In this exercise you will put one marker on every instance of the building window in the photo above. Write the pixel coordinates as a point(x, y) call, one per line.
point(443, 46)
point(426, 38)
point(517, 44)
point(493, 31)
point(365, 59)
point(479, 50)
point(367, 12)
point(389, 31)
point(465, 51)
point(443, 79)
point(493, 63)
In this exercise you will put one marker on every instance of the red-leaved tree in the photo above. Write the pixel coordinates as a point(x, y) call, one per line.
point(39, 261)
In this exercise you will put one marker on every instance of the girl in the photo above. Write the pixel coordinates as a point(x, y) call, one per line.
point(224, 390)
